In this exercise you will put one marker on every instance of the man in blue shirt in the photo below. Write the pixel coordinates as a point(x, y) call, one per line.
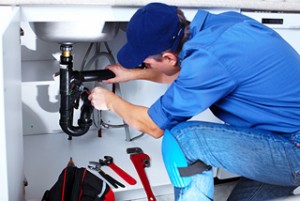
point(243, 71)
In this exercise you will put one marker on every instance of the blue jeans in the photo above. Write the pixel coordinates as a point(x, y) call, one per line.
point(268, 163)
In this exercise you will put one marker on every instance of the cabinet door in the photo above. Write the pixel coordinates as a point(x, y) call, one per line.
point(11, 140)
point(287, 24)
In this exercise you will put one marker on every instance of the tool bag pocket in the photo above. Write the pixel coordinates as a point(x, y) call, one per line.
point(78, 184)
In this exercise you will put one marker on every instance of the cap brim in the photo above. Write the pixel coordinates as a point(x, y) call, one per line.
point(128, 58)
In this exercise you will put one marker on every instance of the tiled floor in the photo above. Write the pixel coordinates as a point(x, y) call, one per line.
point(222, 191)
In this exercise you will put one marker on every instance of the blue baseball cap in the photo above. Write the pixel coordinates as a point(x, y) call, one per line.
point(153, 29)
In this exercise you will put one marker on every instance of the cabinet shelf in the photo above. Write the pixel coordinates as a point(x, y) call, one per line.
point(46, 155)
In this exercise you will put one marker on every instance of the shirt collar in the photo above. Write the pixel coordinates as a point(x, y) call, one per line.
point(198, 21)
point(195, 26)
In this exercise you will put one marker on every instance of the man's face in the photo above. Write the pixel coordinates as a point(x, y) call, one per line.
point(165, 66)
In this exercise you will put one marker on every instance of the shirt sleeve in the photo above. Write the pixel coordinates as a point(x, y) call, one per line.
point(202, 81)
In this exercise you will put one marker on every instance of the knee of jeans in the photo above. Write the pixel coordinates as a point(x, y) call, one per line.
point(179, 132)
point(178, 128)
point(182, 127)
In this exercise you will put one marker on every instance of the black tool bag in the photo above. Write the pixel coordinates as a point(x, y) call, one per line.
point(78, 184)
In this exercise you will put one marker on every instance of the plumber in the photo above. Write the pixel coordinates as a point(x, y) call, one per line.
point(243, 71)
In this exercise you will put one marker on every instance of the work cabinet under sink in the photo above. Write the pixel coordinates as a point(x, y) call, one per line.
point(32, 145)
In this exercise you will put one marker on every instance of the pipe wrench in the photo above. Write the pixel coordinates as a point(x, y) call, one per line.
point(140, 161)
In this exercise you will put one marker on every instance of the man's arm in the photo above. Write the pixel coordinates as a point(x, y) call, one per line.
point(134, 115)
point(124, 75)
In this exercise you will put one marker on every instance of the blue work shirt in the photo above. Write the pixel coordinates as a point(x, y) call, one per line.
point(242, 70)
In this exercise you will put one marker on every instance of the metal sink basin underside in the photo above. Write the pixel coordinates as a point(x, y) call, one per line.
point(75, 31)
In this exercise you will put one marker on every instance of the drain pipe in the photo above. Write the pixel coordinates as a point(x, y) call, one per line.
point(69, 95)
point(72, 90)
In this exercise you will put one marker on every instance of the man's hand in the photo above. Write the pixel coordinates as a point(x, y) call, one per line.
point(100, 98)
point(122, 74)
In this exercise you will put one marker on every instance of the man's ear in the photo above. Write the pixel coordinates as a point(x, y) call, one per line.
point(170, 58)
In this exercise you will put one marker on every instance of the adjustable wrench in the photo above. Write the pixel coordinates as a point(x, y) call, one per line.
point(110, 163)
point(97, 167)
point(141, 160)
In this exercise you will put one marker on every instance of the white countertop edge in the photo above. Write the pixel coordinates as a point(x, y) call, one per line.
point(254, 4)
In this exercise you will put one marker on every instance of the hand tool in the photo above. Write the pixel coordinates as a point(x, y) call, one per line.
point(141, 160)
point(110, 163)
point(96, 166)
